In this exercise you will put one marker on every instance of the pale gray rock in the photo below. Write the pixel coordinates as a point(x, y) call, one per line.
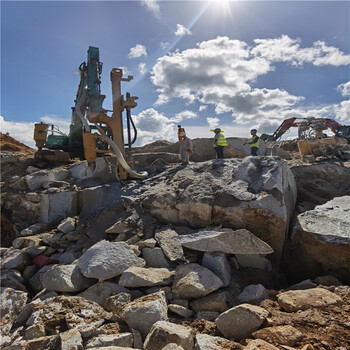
point(142, 313)
point(67, 225)
point(65, 278)
point(155, 257)
point(163, 333)
point(135, 277)
point(180, 310)
point(32, 230)
point(253, 292)
point(35, 251)
point(208, 342)
point(226, 241)
point(194, 281)
point(254, 260)
point(321, 241)
point(12, 303)
point(71, 339)
point(13, 259)
point(241, 321)
point(105, 260)
point(168, 242)
point(217, 263)
point(101, 291)
point(295, 300)
point(35, 281)
point(121, 339)
point(213, 302)
point(48, 343)
point(36, 180)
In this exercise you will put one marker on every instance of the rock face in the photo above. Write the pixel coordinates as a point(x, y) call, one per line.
point(321, 241)
point(257, 194)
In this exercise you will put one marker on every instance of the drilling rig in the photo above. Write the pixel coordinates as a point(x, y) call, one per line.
point(92, 131)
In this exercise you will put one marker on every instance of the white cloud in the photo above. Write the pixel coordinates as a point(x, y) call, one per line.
point(203, 108)
point(213, 122)
point(142, 68)
point(220, 72)
point(344, 89)
point(137, 51)
point(184, 115)
point(152, 125)
point(152, 6)
point(24, 131)
point(182, 30)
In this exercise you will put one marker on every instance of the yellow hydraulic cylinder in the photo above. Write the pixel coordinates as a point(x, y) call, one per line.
point(40, 134)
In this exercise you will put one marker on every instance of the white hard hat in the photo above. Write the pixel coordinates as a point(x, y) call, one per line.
point(182, 133)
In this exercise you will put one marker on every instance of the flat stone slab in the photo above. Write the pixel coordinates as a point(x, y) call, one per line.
point(226, 241)
point(105, 260)
point(135, 277)
point(295, 300)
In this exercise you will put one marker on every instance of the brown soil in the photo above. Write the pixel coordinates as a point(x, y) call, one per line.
point(9, 144)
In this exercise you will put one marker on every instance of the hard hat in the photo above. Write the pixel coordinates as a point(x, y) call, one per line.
point(253, 130)
point(182, 134)
point(217, 130)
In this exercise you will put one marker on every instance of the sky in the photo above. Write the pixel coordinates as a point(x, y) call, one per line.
point(236, 65)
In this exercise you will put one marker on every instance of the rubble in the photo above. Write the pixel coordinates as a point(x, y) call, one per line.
point(188, 258)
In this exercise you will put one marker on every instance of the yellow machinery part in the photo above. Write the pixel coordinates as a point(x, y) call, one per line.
point(89, 141)
point(40, 134)
point(315, 147)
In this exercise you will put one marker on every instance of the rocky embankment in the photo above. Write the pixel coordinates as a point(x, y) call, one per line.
point(241, 253)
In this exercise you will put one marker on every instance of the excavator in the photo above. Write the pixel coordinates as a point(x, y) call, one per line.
point(92, 132)
point(312, 140)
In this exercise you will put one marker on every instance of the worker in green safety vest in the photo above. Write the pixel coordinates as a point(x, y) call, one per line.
point(219, 143)
point(253, 142)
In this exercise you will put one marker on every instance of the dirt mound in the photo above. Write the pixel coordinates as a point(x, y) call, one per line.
point(9, 144)
point(159, 143)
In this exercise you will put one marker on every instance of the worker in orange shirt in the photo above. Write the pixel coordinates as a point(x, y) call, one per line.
point(179, 131)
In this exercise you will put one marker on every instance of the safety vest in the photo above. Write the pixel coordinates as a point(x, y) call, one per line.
point(255, 144)
point(221, 141)
point(178, 133)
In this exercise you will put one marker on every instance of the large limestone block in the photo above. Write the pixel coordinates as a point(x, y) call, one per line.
point(163, 333)
point(58, 206)
point(321, 241)
point(295, 300)
point(241, 321)
point(135, 277)
point(71, 339)
point(65, 278)
point(99, 292)
point(92, 199)
point(105, 260)
point(208, 342)
point(13, 259)
point(226, 241)
point(194, 281)
point(257, 194)
point(143, 312)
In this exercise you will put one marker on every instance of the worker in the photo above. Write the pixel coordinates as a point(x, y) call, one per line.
point(179, 131)
point(219, 143)
point(186, 148)
point(253, 142)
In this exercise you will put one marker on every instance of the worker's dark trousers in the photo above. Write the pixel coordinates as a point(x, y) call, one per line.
point(254, 151)
point(219, 151)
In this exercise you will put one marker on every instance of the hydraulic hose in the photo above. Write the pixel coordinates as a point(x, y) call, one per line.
point(121, 160)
